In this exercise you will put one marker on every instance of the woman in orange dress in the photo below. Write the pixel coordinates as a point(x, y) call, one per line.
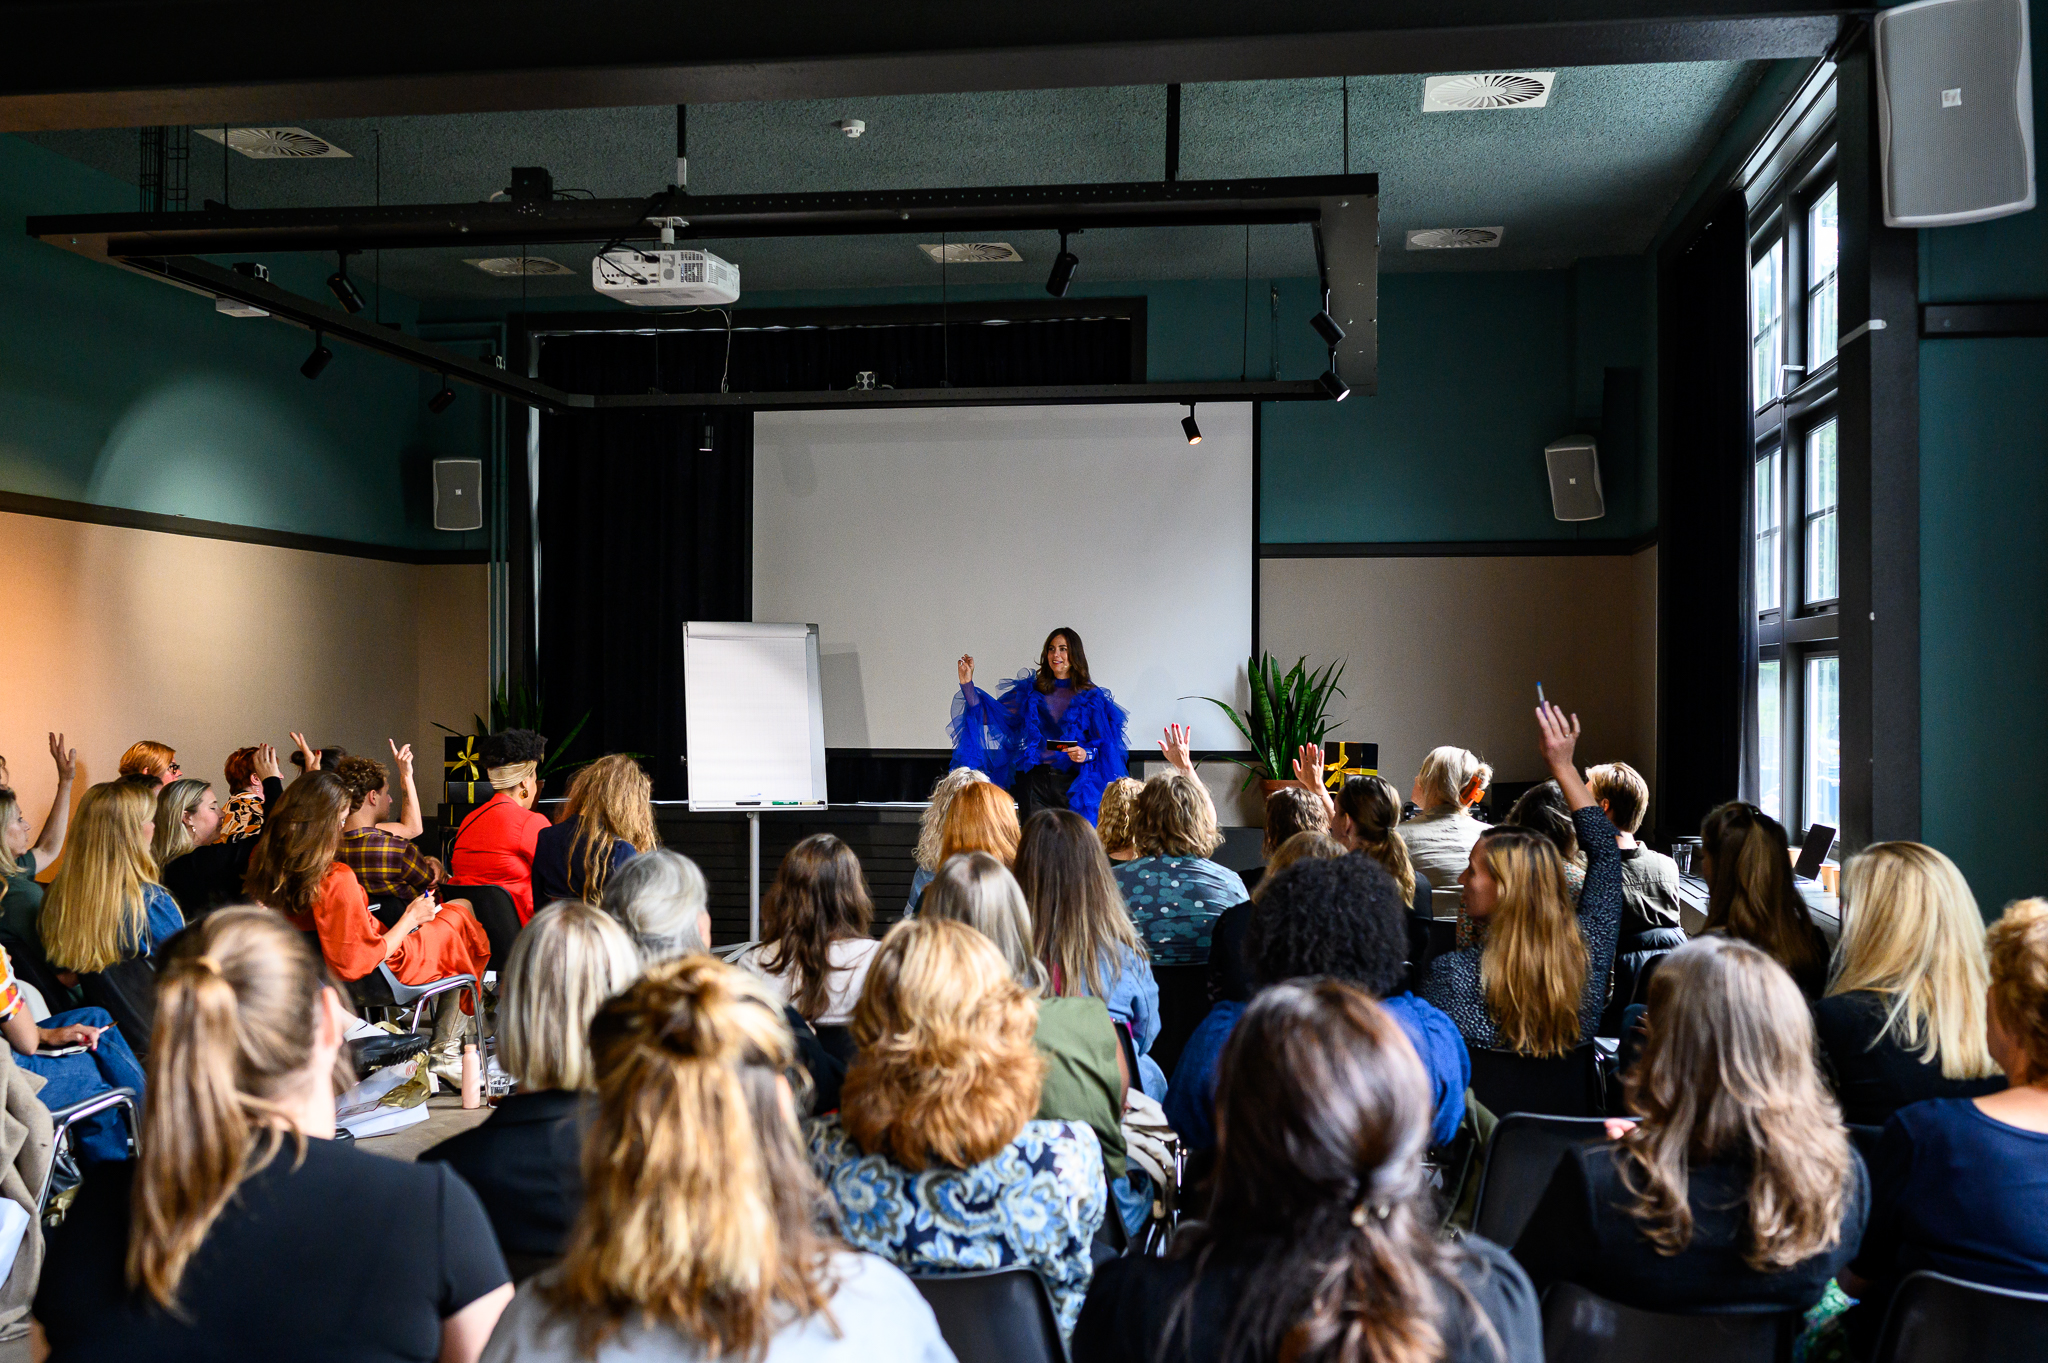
point(294, 870)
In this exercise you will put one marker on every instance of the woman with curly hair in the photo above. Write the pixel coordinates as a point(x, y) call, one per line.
point(1113, 824)
point(934, 1156)
point(931, 828)
point(496, 841)
point(607, 820)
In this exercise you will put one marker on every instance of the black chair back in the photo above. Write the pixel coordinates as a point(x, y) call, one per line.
point(1183, 1003)
point(1865, 1139)
point(1519, 1159)
point(1584, 1328)
point(127, 990)
point(1003, 1315)
point(1556, 1086)
point(495, 913)
point(30, 964)
point(1938, 1319)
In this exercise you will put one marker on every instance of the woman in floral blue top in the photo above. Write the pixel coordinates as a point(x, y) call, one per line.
point(1174, 892)
point(933, 1158)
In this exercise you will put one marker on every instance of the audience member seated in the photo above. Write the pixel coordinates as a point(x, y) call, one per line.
point(1289, 810)
point(1441, 834)
point(1083, 936)
point(981, 818)
point(23, 852)
point(1113, 820)
point(658, 897)
point(931, 828)
point(245, 1230)
point(1366, 817)
point(1230, 971)
point(815, 948)
point(935, 1158)
point(158, 761)
point(388, 864)
point(1903, 1019)
point(494, 845)
point(1649, 879)
point(294, 871)
point(242, 816)
point(524, 1160)
point(105, 1063)
point(701, 1234)
point(1960, 1185)
point(1173, 892)
point(607, 820)
point(1541, 809)
point(209, 874)
point(1738, 1185)
point(1535, 981)
point(105, 905)
point(307, 758)
point(1751, 896)
point(1343, 918)
point(1320, 1242)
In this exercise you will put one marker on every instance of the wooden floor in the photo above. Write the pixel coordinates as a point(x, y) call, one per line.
point(445, 1118)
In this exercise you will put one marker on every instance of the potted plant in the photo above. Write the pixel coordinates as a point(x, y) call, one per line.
point(1285, 712)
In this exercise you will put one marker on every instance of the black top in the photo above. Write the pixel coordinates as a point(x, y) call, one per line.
point(524, 1161)
point(210, 877)
point(1133, 1297)
point(554, 877)
point(1582, 1232)
point(346, 1256)
point(1874, 1078)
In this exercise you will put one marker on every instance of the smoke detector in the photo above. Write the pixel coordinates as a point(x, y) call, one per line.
point(520, 267)
point(1496, 90)
point(277, 144)
point(971, 252)
point(1452, 238)
point(852, 127)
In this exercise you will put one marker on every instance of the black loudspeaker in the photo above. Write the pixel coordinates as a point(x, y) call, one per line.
point(458, 494)
point(1575, 478)
point(1955, 101)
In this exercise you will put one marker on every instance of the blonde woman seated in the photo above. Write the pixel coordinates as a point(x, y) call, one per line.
point(1114, 823)
point(523, 1161)
point(1441, 834)
point(1903, 1018)
point(1174, 892)
point(244, 1230)
point(201, 868)
point(931, 829)
point(935, 1158)
point(1737, 1186)
point(105, 905)
point(699, 1236)
point(607, 820)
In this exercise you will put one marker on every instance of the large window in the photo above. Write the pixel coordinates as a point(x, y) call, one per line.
point(1822, 549)
point(1823, 255)
point(1767, 322)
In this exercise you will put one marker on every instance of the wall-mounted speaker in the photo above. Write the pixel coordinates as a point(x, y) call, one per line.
point(1575, 478)
point(1955, 104)
point(458, 494)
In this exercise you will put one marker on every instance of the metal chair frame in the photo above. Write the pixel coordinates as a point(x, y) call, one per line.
point(64, 1119)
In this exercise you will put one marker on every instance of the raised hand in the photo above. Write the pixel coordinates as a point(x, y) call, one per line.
point(965, 667)
point(403, 758)
point(1560, 735)
point(1308, 768)
point(266, 764)
point(311, 757)
point(65, 758)
point(1175, 748)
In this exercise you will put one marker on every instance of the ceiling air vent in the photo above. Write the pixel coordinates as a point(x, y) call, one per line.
point(1498, 90)
point(1452, 238)
point(277, 144)
point(517, 267)
point(971, 252)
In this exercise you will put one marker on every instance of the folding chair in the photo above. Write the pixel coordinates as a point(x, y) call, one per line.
point(64, 1119)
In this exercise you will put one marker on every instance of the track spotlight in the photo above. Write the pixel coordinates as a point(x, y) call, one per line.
point(319, 359)
point(1187, 423)
point(1063, 266)
point(442, 400)
point(706, 442)
point(344, 292)
point(1326, 327)
point(1334, 386)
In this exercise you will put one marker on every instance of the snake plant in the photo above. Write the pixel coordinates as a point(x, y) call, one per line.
point(1285, 712)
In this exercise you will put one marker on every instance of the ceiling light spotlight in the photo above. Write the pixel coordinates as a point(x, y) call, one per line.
point(1334, 386)
point(319, 359)
point(442, 400)
point(706, 443)
point(344, 292)
point(1326, 325)
point(1063, 267)
point(1187, 424)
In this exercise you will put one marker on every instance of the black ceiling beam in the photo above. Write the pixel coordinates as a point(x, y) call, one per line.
point(245, 62)
point(1275, 390)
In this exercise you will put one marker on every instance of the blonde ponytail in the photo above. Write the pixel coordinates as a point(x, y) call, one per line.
point(234, 1026)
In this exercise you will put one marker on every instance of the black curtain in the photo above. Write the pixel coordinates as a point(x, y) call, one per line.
point(1705, 630)
point(639, 531)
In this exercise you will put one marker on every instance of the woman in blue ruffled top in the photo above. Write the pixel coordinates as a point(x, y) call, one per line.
point(1053, 738)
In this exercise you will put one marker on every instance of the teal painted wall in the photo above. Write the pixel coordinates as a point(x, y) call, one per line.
point(123, 392)
point(1984, 555)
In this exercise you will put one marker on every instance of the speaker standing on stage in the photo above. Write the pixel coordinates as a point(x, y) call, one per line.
point(1054, 738)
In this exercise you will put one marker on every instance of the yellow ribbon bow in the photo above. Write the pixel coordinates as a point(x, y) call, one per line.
point(1336, 773)
point(466, 764)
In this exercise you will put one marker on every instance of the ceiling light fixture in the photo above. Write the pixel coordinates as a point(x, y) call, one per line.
point(1187, 424)
point(442, 400)
point(1063, 266)
point(1334, 386)
point(1326, 325)
point(319, 359)
point(344, 292)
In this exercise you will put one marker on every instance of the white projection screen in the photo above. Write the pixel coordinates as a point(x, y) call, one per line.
point(910, 537)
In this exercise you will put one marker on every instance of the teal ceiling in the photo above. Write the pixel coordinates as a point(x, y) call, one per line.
point(1592, 174)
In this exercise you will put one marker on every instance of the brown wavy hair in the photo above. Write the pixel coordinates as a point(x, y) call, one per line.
point(1114, 815)
point(1751, 895)
point(1533, 967)
point(700, 1211)
point(1079, 927)
point(982, 818)
point(240, 769)
point(948, 1071)
point(611, 800)
point(1175, 817)
point(1077, 663)
point(2019, 979)
point(819, 897)
point(1374, 808)
point(360, 777)
point(297, 846)
point(1729, 1072)
point(1291, 810)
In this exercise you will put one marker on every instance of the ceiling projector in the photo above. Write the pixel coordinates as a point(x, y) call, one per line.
point(665, 278)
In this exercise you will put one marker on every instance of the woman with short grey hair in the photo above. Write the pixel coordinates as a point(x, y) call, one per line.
point(659, 898)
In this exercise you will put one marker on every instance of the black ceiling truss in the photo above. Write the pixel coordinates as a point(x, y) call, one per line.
point(1342, 211)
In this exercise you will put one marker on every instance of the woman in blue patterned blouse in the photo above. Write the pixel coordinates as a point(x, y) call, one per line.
point(934, 1158)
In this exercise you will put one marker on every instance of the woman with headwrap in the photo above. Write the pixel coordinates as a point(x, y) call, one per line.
point(494, 845)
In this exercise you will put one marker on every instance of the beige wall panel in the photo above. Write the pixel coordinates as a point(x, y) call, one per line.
point(454, 651)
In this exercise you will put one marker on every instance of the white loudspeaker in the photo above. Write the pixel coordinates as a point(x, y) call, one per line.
point(1955, 105)
point(1575, 479)
point(458, 494)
